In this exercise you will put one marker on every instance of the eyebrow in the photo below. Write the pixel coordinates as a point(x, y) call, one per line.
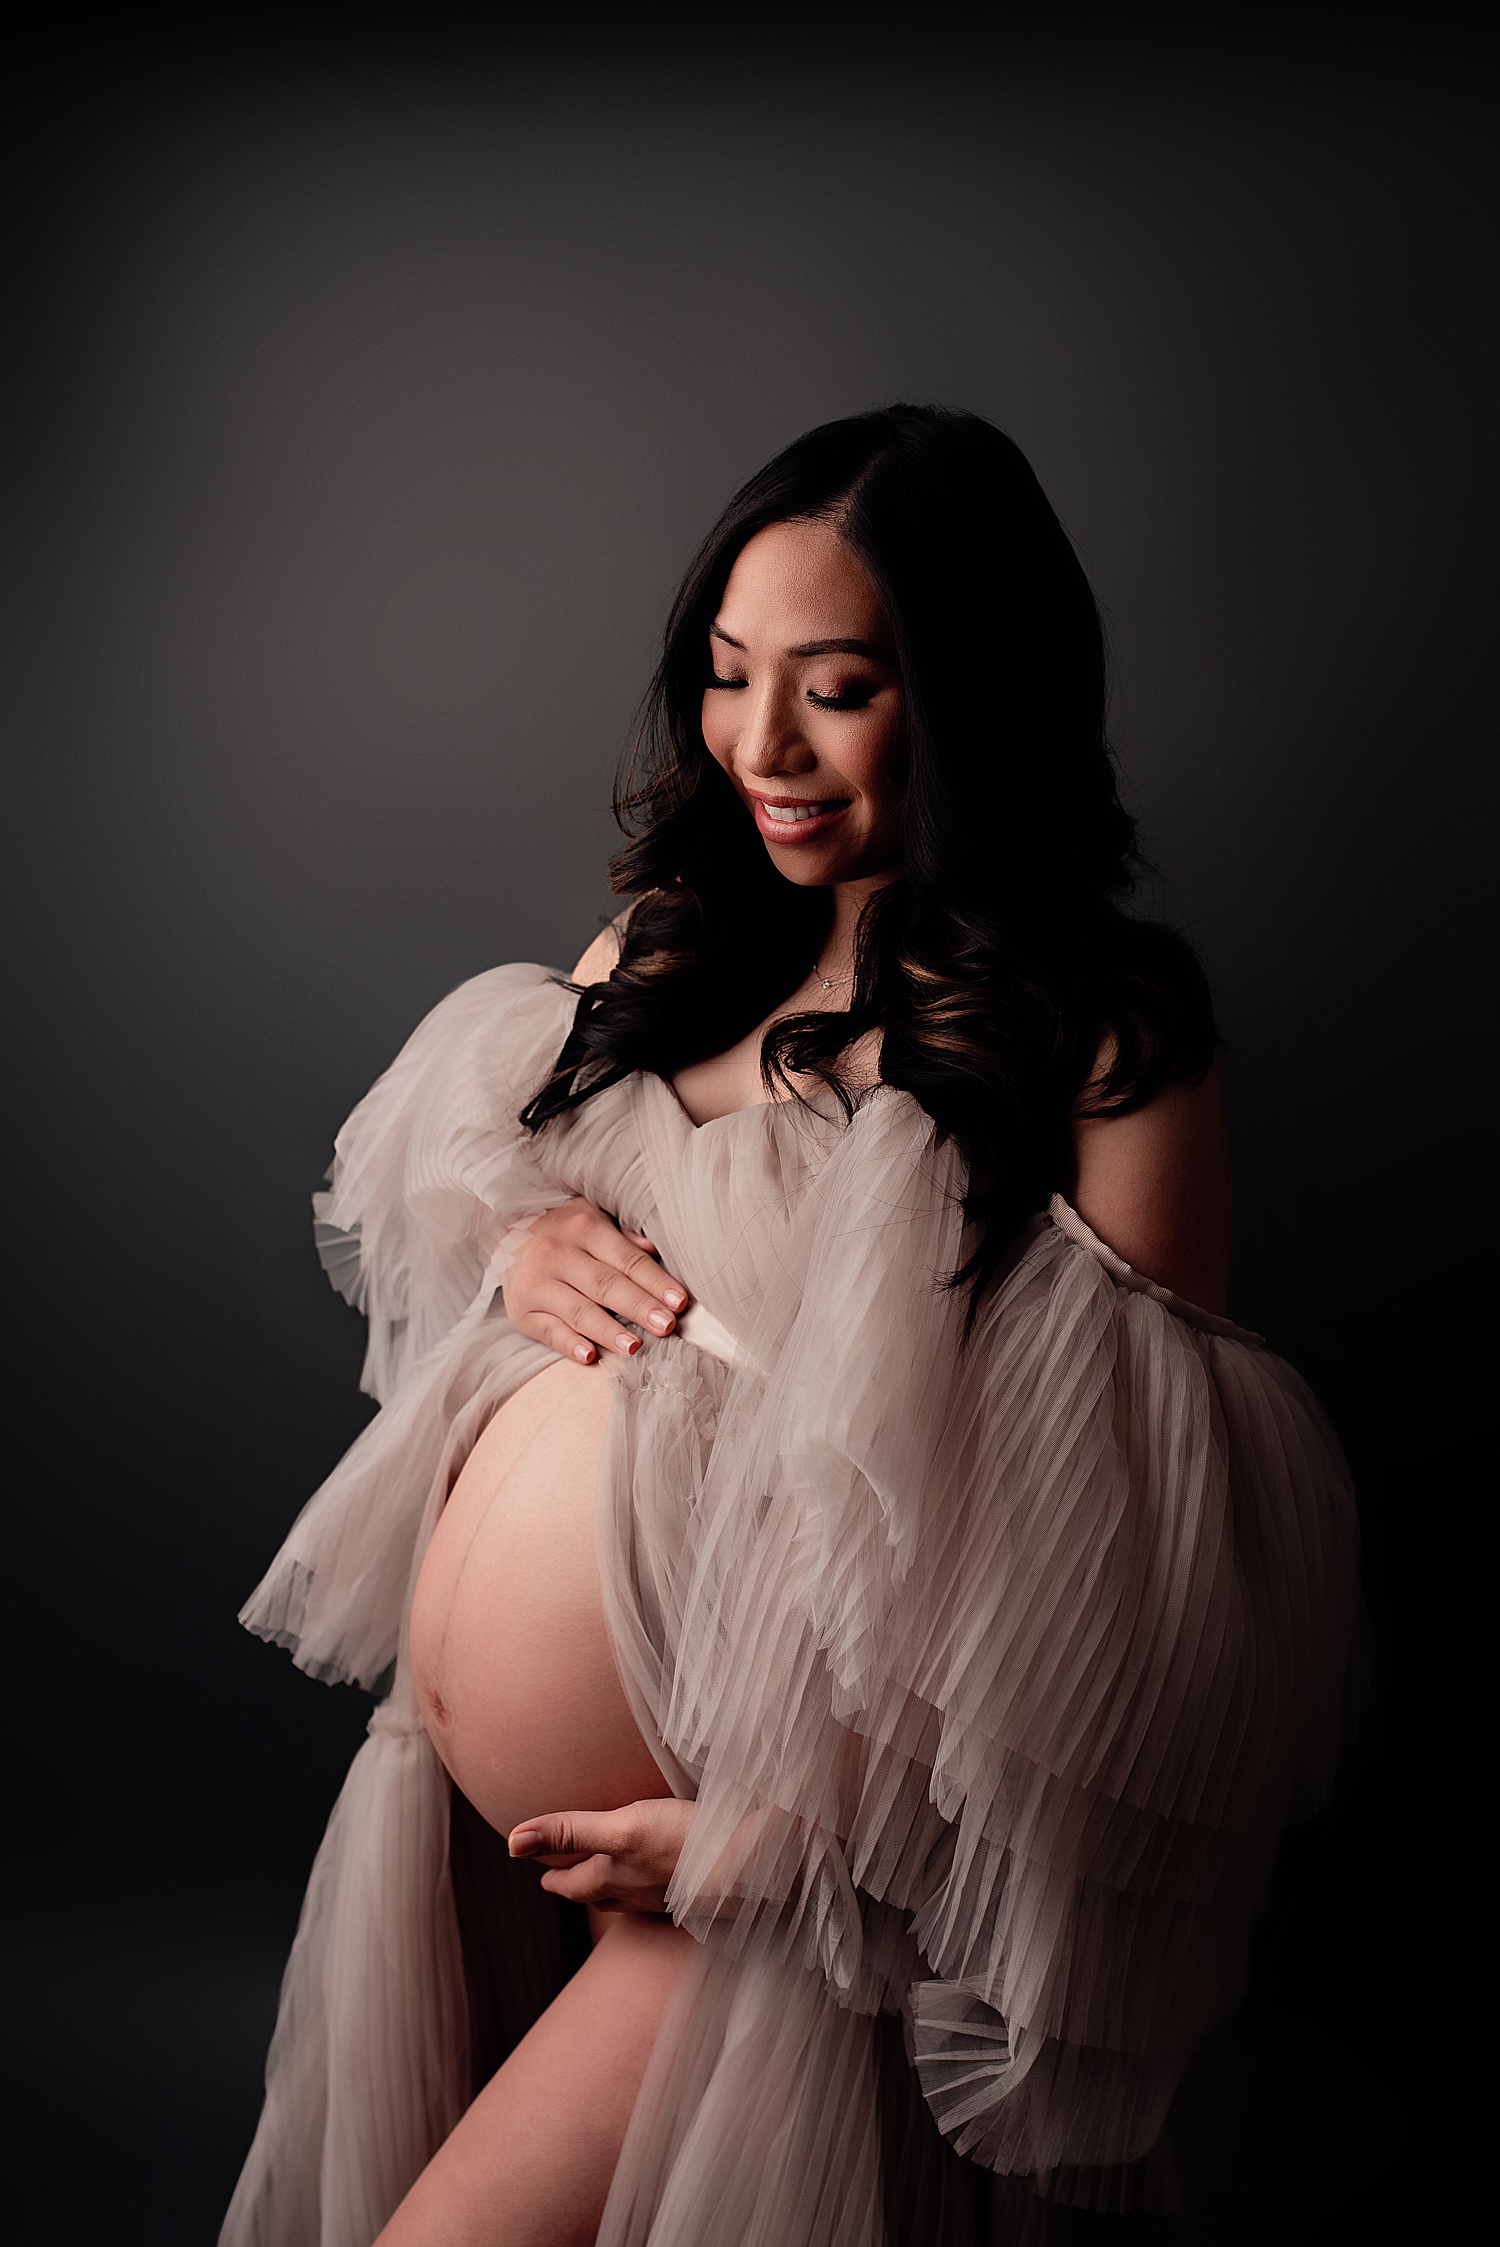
point(813, 647)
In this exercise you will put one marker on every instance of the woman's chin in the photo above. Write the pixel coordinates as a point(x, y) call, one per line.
point(811, 868)
point(807, 868)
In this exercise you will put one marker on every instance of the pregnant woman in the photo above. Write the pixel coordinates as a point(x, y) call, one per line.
point(819, 1507)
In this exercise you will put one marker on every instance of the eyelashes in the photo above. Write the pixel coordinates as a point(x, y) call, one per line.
point(853, 698)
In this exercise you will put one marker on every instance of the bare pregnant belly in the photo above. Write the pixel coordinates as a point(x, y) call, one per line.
point(514, 1674)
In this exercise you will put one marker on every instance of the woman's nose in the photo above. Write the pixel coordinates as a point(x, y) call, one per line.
point(772, 741)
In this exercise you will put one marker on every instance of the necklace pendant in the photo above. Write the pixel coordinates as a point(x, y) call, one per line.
point(827, 982)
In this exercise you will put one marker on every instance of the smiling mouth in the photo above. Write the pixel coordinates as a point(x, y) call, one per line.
point(788, 818)
point(787, 814)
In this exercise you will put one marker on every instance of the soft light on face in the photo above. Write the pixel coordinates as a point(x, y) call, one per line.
point(804, 711)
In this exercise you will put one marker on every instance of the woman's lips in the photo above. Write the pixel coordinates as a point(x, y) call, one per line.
point(797, 819)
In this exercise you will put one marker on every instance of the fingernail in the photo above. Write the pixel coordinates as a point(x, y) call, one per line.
point(627, 1345)
point(661, 1320)
point(524, 1844)
point(676, 1298)
point(584, 1354)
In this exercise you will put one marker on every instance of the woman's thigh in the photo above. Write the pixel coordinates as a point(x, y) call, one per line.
point(530, 2163)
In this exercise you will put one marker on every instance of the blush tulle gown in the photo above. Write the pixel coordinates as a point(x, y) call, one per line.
point(995, 1669)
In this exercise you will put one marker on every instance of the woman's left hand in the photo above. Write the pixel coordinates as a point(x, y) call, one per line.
point(616, 1860)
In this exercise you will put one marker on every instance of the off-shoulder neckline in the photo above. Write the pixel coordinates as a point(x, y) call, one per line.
point(751, 1107)
point(1060, 1213)
point(1067, 1220)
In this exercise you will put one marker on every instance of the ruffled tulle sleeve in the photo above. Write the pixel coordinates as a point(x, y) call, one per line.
point(431, 1174)
point(1003, 1662)
point(431, 1170)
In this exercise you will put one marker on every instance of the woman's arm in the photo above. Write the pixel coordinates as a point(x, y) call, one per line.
point(1155, 1187)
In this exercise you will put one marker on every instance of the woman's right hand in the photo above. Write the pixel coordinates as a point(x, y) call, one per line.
point(576, 1275)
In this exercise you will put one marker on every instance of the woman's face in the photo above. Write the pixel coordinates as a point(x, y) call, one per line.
point(804, 709)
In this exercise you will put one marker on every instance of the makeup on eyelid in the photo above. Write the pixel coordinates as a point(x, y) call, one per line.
point(814, 749)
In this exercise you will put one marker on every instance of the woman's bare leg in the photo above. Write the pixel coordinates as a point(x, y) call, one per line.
point(531, 2162)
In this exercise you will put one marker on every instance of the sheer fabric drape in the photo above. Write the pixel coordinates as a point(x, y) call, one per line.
point(995, 1668)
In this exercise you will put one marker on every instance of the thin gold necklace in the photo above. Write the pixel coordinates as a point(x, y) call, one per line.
point(830, 982)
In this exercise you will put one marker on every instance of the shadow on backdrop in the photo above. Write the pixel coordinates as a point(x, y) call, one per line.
point(369, 416)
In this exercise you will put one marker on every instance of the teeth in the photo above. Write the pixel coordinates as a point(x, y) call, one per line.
point(787, 814)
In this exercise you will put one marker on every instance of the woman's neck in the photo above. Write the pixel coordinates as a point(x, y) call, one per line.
point(849, 900)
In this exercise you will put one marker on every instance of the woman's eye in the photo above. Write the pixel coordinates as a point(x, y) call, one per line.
point(859, 696)
point(715, 681)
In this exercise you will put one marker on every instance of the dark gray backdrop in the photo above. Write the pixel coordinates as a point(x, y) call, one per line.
point(369, 412)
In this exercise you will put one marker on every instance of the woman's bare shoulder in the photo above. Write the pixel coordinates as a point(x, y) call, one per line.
point(1155, 1187)
point(602, 954)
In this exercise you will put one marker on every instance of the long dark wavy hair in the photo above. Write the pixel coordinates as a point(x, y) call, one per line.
point(999, 962)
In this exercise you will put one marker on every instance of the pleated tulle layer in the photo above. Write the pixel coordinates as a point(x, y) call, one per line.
point(995, 1668)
